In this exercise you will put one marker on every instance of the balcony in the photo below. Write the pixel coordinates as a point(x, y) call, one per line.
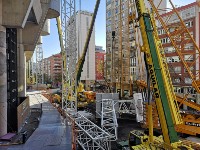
point(46, 28)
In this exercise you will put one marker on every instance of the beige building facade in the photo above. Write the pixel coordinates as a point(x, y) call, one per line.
point(22, 22)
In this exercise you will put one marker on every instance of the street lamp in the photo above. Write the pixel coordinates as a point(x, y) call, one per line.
point(112, 60)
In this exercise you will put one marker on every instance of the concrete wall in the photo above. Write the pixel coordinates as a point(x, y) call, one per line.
point(29, 17)
point(23, 111)
point(3, 76)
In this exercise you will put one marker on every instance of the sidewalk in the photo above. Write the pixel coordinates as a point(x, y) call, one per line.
point(50, 134)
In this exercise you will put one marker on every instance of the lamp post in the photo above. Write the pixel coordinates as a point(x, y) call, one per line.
point(112, 60)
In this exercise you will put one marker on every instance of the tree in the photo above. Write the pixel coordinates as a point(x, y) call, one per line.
point(58, 78)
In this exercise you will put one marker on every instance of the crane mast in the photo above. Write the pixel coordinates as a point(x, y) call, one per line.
point(159, 75)
point(178, 30)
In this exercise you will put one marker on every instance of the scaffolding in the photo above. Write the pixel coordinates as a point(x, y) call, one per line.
point(68, 23)
point(127, 107)
point(108, 118)
point(39, 69)
point(89, 135)
point(30, 77)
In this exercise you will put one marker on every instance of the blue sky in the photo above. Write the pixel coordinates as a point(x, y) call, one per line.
point(51, 43)
point(182, 2)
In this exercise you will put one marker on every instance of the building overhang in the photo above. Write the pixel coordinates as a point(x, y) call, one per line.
point(16, 13)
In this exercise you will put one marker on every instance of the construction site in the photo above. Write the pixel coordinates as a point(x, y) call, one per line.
point(141, 93)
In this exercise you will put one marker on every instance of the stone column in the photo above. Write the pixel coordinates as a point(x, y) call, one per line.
point(20, 65)
point(3, 80)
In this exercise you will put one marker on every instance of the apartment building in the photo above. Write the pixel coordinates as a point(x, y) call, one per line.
point(83, 20)
point(99, 63)
point(121, 50)
point(46, 65)
point(55, 67)
point(179, 74)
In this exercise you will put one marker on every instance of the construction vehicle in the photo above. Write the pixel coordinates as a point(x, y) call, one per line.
point(163, 93)
point(190, 125)
point(84, 97)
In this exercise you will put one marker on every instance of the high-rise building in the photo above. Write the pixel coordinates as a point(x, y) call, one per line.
point(83, 21)
point(55, 68)
point(46, 70)
point(121, 50)
point(99, 63)
point(190, 15)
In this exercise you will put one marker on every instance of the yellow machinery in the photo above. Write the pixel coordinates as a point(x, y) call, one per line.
point(191, 121)
point(69, 94)
point(56, 98)
point(84, 97)
point(165, 98)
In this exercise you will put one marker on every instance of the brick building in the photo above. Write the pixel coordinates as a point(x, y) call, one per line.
point(180, 78)
point(52, 69)
point(99, 63)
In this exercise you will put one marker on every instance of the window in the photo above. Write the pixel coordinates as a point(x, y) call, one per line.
point(161, 31)
point(169, 59)
point(188, 81)
point(123, 15)
point(116, 2)
point(175, 59)
point(190, 12)
point(178, 89)
point(187, 37)
point(108, 28)
point(173, 18)
point(123, 23)
point(188, 57)
point(108, 2)
point(133, 61)
point(177, 80)
point(109, 14)
point(177, 69)
point(188, 46)
point(165, 40)
point(123, 6)
point(116, 10)
point(116, 18)
point(169, 49)
point(191, 69)
point(189, 24)
point(108, 22)
point(171, 29)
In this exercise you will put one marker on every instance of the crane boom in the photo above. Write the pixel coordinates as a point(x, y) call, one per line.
point(81, 61)
point(158, 78)
point(164, 95)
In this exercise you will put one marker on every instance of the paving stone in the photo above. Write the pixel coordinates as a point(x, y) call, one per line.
point(50, 134)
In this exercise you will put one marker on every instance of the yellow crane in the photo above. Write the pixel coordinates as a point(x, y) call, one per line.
point(164, 95)
point(190, 125)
